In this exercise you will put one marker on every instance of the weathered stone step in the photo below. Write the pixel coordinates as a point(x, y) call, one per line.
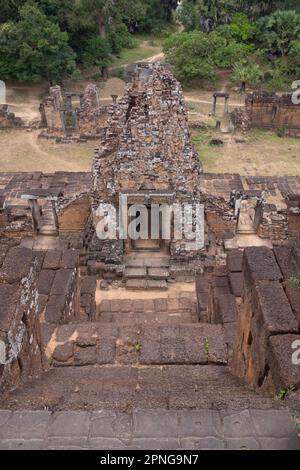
point(48, 228)
point(137, 262)
point(146, 284)
point(133, 387)
point(158, 273)
point(109, 343)
point(133, 312)
point(156, 285)
point(135, 284)
point(142, 318)
point(50, 232)
point(135, 273)
point(246, 230)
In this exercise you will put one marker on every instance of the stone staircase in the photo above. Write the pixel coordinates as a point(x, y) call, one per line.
point(148, 353)
point(146, 272)
point(246, 230)
point(47, 222)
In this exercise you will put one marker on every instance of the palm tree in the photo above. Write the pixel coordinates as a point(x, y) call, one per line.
point(279, 30)
point(246, 74)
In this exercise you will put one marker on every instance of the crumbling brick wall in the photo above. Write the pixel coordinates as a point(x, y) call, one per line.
point(50, 109)
point(89, 114)
point(147, 140)
point(73, 218)
point(269, 111)
point(8, 119)
point(38, 291)
point(273, 224)
point(3, 213)
point(293, 207)
point(20, 344)
point(219, 217)
point(268, 321)
point(58, 286)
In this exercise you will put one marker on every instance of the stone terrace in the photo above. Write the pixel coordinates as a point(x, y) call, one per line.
point(73, 185)
point(13, 185)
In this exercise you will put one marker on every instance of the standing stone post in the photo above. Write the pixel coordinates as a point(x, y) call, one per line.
point(114, 99)
point(214, 106)
point(36, 214)
point(226, 106)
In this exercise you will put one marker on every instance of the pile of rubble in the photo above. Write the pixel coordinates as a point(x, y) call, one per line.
point(9, 120)
point(240, 119)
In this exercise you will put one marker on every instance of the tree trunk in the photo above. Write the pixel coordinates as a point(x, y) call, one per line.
point(243, 87)
point(101, 26)
point(104, 72)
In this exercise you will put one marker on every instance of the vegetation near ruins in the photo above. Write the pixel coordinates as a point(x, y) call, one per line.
point(257, 41)
point(51, 39)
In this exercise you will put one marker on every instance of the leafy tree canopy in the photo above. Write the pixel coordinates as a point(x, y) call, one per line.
point(198, 55)
point(43, 38)
point(276, 32)
point(34, 48)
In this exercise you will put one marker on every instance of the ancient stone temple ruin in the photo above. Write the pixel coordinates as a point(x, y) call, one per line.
point(146, 157)
point(70, 116)
point(269, 111)
point(124, 324)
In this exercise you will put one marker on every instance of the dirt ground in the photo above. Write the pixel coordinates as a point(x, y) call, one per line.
point(258, 152)
point(24, 100)
point(23, 151)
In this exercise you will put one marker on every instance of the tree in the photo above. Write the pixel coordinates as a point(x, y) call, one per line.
point(199, 55)
point(9, 10)
point(154, 17)
point(246, 74)
point(34, 48)
point(206, 14)
point(276, 32)
point(187, 15)
point(294, 58)
point(58, 11)
point(209, 14)
point(169, 6)
point(241, 28)
point(96, 52)
point(100, 11)
point(110, 14)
